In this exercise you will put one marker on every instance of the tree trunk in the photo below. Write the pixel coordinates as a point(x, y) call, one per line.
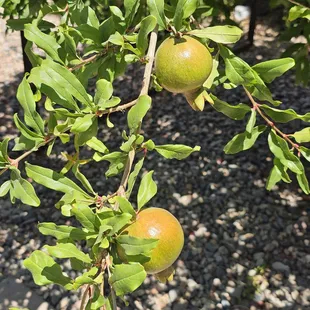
point(27, 63)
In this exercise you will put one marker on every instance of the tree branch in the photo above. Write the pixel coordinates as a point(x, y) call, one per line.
point(270, 123)
point(144, 91)
point(84, 297)
point(14, 162)
point(300, 4)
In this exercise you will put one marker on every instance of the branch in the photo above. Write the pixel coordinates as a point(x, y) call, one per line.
point(144, 91)
point(118, 108)
point(84, 296)
point(92, 58)
point(108, 262)
point(300, 4)
point(14, 162)
point(256, 106)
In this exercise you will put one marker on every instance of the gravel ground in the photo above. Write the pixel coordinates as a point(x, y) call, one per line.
point(245, 247)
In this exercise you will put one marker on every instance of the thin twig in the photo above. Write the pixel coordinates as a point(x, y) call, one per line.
point(84, 297)
point(119, 108)
point(256, 106)
point(14, 162)
point(108, 262)
point(300, 4)
point(194, 21)
point(144, 91)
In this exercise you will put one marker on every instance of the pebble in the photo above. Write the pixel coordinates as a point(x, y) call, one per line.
point(216, 282)
point(173, 295)
point(278, 266)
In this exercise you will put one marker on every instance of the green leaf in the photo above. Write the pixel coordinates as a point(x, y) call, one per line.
point(271, 69)
point(82, 124)
point(26, 100)
point(126, 278)
point(305, 152)
point(219, 34)
point(116, 39)
point(136, 246)
point(33, 58)
point(176, 151)
point(61, 232)
point(251, 122)
point(243, 141)
point(52, 180)
point(147, 189)
point(303, 182)
point(137, 112)
point(84, 137)
point(117, 162)
point(156, 8)
point(86, 278)
point(43, 41)
point(45, 270)
point(126, 146)
point(214, 73)
point(81, 177)
point(189, 8)
point(117, 222)
point(240, 73)
point(133, 176)
point(85, 216)
point(149, 145)
point(235, 112)
point(97, 145)
point(298, 11)
point(104, 91)
point(178, 14)
point(88, 16)
point(284, 116)
point(67, 250)
point(4, 151)
point(280, 149)
point(25, 131)
point(278, 173)
point(125, 206)
point(131, 8)
point(302, 135)
point(23, 190)
point(62, 81)
point(4, 188)
point(147, 25)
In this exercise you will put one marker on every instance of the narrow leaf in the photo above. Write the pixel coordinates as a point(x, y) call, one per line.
point(26, 99)
point(42, 40)
point(219, 34)
point(52, 179)
point(147, 189)
point(271, 69)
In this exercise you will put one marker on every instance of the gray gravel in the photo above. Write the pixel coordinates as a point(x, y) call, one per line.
point(245, 248)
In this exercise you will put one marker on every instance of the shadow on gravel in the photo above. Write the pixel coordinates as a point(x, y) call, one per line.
point(244, 246)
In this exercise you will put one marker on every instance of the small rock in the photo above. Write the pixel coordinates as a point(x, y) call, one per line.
point(43, 306)
point(278, 266)
point(216, 282)
point(200, 232)
point(192, 285)
point(173, 295)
